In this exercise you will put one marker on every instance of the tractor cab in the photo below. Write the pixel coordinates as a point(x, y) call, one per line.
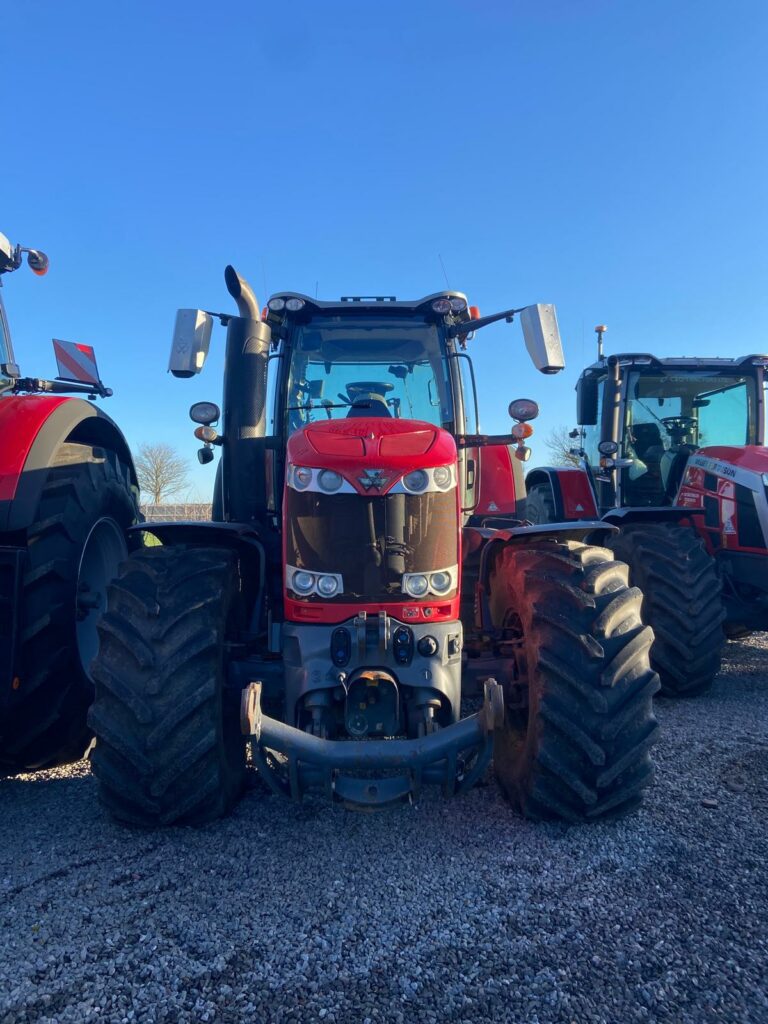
point(641, 419)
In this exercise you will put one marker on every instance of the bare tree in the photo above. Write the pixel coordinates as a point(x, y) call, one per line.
point(560, 443)
point(162, 472)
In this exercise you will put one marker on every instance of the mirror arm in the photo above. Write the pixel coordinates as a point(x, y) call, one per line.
point(481, 440)
point(468, 326)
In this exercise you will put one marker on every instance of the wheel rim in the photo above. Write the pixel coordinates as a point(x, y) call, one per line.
point(103, 551)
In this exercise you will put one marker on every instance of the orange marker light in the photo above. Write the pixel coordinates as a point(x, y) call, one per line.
point(474, 312)
point(521, 430)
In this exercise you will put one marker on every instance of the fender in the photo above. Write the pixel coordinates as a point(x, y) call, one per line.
point(585, 531)
point(651, 513)
point(571, 489)
point(258, 554)
point(36, 426)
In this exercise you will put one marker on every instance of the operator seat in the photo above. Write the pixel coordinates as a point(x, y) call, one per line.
point(370, 405)
point(647, 445)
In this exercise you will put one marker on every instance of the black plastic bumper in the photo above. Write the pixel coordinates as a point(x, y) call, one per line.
point(371, 773)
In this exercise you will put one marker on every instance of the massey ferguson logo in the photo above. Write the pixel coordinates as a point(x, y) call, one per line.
point(373, 478)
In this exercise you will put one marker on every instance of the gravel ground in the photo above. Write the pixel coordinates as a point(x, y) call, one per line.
point(446, 911)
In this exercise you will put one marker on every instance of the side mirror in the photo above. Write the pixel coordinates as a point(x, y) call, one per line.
point(191, 338)
point(586, 401)
point(542, 337)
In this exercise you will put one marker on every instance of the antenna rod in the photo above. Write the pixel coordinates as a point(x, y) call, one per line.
point(600, 331)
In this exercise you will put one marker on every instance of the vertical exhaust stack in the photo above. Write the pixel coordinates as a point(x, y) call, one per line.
point(245, 403)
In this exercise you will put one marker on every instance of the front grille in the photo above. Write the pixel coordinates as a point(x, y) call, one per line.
point(371, 541)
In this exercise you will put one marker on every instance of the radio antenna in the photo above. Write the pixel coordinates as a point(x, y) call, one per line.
point(445, 275)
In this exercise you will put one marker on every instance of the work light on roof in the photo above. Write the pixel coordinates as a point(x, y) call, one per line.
point(276, 305)
point(294, 305)
point(458, 305)
point(442, 305)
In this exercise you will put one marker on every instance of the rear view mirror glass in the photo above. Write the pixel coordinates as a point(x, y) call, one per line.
point(191, 338)
point(542, 337)
point(586, 401)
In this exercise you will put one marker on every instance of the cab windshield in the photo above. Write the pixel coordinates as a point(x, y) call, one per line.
point(691, 408)
point(346, 367)
point(670, 415)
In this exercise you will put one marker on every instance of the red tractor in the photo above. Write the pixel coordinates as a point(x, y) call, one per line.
point(358, 572)
point(68, 492)
point(671, 450)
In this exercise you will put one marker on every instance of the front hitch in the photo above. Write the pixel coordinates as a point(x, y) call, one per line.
point(371, 773)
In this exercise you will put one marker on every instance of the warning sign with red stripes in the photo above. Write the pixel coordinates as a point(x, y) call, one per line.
point(76, 362)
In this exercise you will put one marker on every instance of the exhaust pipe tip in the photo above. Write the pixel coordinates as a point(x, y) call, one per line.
point(242, 293)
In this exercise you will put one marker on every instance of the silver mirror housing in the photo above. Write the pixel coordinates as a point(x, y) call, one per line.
point(191, 338)
point(542, 337)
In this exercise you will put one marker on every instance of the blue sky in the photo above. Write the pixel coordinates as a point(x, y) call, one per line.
point(610, 157)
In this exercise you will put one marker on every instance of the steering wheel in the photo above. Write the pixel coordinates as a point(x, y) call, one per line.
point(679, 424)
point(369, 387)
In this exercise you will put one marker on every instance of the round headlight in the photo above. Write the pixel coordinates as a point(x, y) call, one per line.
point(276, 305)
point(294, 305)
point(442, 476)
point(442, 305)
point(303, 582)
point(327, 585)
point(458, 305)
point(416, 482)
point(523, 409)
point(204, 412)
point(607, 447)
point(302, 477)
point(416, 585)
point(440, 582)
point(329, 481)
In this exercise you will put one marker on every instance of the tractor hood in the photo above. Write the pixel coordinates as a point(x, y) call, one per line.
point(361, 448)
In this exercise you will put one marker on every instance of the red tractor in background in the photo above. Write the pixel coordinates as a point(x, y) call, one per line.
point(358, 573)
point(671, 450)
point(68, 491)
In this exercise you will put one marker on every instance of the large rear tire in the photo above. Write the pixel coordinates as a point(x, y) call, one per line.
point(682, 602)
point(579, 749)
point(540, 505)
point(168, 743)
point(74, 548)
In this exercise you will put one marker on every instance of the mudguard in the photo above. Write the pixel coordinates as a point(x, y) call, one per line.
point(35, 426)
point(571, 489)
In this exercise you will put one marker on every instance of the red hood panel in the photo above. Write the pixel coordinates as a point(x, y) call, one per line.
point(753, 457)
point(399, 445)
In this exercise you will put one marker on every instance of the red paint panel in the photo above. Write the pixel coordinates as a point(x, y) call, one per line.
point(349, 446)
point(578, 499)
point(496, 491)
point(752, 457)
point(312, 611)
point(21, 417)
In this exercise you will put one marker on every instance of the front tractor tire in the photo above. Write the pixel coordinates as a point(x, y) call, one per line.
point(168, 743)
point(682, 602)
point(578, 747)
point(73, 549)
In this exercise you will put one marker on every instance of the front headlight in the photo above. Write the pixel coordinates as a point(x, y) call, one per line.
point(443, 477)
point(327, 585)
point(416, 482)
point(440, 582)
point(303, 582)
point(415, 584)
point(302, 477)
point(329, 481)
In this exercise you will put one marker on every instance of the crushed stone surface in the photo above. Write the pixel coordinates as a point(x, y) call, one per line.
point(454, 911)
